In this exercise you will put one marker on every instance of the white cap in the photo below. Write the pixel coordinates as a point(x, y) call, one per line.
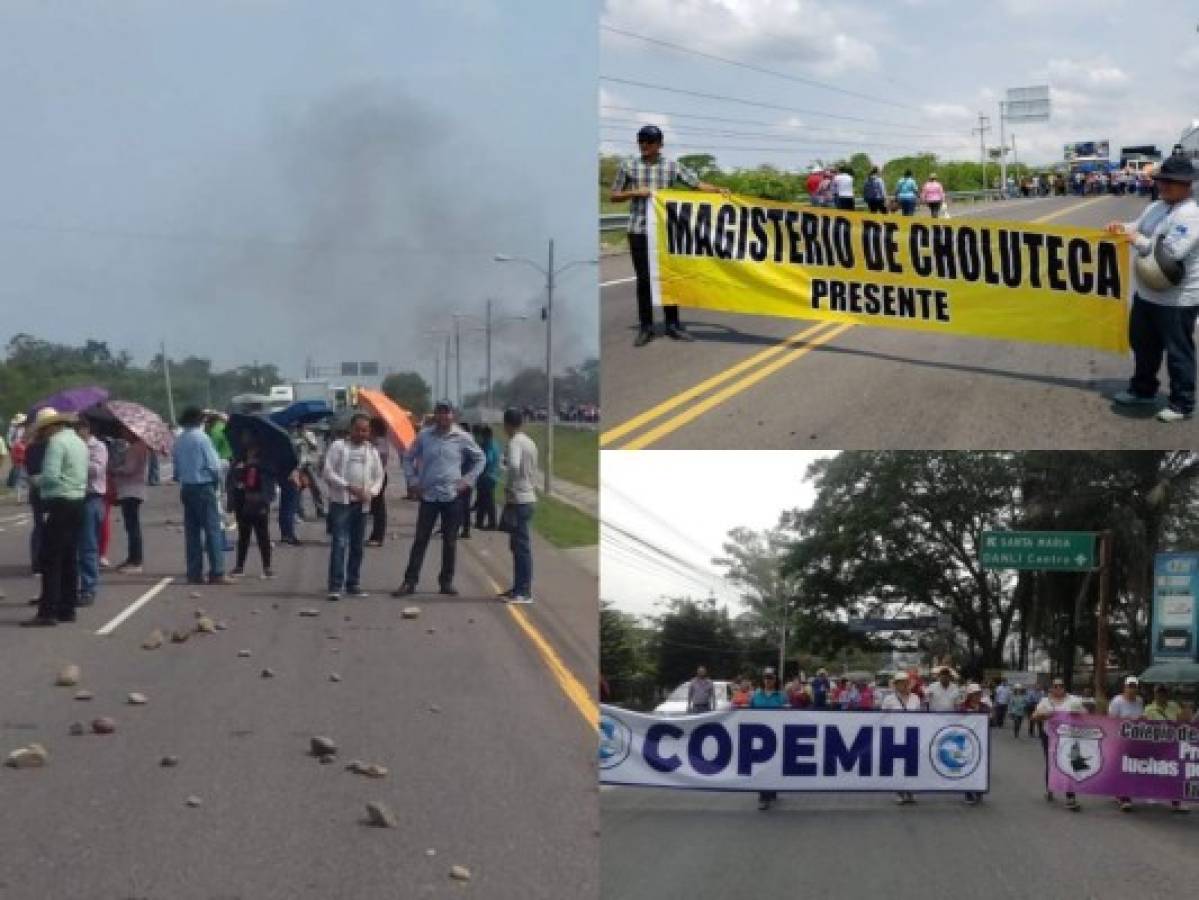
point(1131, 679)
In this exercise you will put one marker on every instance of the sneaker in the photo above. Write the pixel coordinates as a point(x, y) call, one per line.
point(357, 593)
point(333, 596)
point(1125, 805)
point(220, 579)
point(1072, 804)
point(104, 563)
point(374, 543)
point(1128, 398)
point(1170, 414)
point(519, 600)
point(237, 573)
point(449, 590)
point(130, 569)
point(406, 589)
point(502, 595)
point(677, 333)
point(39, 622)
point(268, 573)
point(644, 336)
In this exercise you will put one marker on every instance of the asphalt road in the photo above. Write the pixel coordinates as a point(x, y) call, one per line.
point(499, 779)
point(699, 845)
point(860, 387)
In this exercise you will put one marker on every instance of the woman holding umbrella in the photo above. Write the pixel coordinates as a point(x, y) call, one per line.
point(128, 472)
point(251, 489)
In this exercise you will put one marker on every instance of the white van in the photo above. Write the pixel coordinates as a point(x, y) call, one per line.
point(676, 703)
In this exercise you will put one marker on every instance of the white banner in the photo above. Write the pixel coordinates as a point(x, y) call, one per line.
point(796, 750)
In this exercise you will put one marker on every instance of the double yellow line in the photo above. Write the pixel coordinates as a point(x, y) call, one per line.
point(752, 370)
point(770, 360)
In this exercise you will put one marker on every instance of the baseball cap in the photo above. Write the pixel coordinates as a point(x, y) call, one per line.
point(443, 406)
point(650, 133)
point(1131, 679)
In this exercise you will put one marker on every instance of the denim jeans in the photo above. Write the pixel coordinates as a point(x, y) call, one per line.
point(1153, 331)
point(131, 513)
point(450, 513)
point(289, 503)
point(522, 550)
point(202, 530)
point(89, 545)
point(347, 524)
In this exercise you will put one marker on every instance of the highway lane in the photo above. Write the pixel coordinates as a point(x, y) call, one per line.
point(699, 845)
point(475, 780)
point(761, 382)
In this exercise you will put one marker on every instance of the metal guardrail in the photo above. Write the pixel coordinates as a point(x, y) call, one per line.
point(620, 221)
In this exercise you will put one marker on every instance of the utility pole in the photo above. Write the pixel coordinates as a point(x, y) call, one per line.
point(549, 373)
point(446, 383)
point(490, 405)
point(1015, 158)
point(166, 372)
point(1002, 150)
point(458, 365)
point(1106, 539)
point(981, 131)
point(436, 374)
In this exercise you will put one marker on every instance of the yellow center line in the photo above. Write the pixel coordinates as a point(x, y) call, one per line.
point(570, 685)
point(1068, 209)
point(666, 406)
point(736, 387)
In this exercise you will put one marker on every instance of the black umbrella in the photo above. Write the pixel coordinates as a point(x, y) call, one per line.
point(102, 422)
point(275, 449)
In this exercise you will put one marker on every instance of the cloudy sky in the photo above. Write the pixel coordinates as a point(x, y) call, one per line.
point(666, 515)
point(284, 179)
point(909, 75)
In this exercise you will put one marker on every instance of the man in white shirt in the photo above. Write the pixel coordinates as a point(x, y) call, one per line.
point(354, 475)
point(1165, 240)
point(943, 695)
point(1003, 696)
point(843, 188)
point(1127, 705)
point(1057, 700)
point(520, 466)
point(902, 700)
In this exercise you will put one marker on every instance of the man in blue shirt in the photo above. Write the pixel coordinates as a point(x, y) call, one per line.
point(442, 464)
point(198, 471)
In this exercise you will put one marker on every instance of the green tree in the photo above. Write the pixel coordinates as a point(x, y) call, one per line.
point(409, 390)
point(692, 633)
point(702, 164)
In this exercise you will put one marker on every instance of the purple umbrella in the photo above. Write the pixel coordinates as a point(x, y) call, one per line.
point(71, 400)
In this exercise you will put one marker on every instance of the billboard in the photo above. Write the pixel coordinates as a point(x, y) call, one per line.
point(1088, 150)
point(1175, 606)
point(1027, 104)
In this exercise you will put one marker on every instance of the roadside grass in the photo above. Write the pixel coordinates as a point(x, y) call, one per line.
point(564, 526)
point(576, 453)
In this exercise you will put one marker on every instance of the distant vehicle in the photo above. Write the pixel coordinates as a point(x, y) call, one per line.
point(319, 389)
point(676, 703)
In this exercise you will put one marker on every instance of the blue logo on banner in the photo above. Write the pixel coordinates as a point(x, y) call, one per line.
point(955, 752)
point(615, 741)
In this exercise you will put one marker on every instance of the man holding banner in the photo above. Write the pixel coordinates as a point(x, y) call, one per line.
point(636, 181)
point(1165, 243)
point(902, 700)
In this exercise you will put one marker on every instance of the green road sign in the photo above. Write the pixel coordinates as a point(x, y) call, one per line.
point(1051, 551)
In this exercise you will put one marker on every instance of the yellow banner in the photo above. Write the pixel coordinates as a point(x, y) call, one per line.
point(1016, 281)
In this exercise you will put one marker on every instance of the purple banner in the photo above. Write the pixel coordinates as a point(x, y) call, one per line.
point(1123, 757)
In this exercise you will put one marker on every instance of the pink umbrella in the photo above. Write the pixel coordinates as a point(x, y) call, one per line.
point(145, 423)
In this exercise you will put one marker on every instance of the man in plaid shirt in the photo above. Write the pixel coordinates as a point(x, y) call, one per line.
point(636, 180)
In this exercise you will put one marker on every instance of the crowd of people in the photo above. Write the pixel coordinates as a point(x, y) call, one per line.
point(948, 692)
point(71, 478)
point(835, 188)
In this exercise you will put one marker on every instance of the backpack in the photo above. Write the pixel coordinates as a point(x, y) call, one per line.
point(873, 189)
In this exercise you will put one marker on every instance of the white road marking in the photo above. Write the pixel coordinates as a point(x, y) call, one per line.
point(616, 281)
point(134, 607)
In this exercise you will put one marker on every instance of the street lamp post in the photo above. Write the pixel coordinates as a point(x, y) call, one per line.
point(550, 277)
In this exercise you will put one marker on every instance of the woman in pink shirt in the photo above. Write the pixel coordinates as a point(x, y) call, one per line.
point(933, 194)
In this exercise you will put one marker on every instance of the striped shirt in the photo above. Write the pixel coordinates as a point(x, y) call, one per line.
point(634, 174)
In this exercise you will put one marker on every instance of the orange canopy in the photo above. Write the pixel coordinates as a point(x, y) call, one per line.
point(399, 423)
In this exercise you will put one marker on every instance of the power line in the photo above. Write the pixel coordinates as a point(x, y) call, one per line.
point(780, 137)
point(736, 121)
point(713, 147)
point(810, 82)
point(757, 103)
